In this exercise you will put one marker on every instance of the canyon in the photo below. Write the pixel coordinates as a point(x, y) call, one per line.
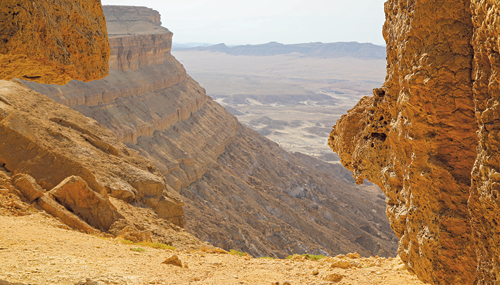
point(291, 94)
point(428, 138)
point(240, 191)
point(143, 157)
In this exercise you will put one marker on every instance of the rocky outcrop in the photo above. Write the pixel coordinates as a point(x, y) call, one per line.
point(241, 190)
point(53, 41)
point(136, 37)
point(416, 137)
point(51, 142)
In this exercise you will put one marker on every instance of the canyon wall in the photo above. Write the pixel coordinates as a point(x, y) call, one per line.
point(53, 41)
point(417, 138)
point(55, 159)
point(241, 191)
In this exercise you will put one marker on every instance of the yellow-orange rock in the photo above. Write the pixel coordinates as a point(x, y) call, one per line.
point(53, 41)
point(484, 203)
point(416, 137)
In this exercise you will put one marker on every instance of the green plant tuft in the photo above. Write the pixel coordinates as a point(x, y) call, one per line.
point(232, 251)
point(308, 256)
point(138, 249)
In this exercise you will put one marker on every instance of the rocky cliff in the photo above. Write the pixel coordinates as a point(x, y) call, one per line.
point(417, 138)
point(55, 159)
point(53, 41)
point(241, 191)
point(78, 171)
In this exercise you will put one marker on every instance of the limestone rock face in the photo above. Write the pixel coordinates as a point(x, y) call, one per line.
point(136, 37)
point(241, 191)
point(53, 41)
point(417, 137)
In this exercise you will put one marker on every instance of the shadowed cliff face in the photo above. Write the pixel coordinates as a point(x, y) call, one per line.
point(417, 137)
point(241, 190)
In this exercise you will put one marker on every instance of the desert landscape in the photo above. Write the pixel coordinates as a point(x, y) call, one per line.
point(292, 94)
point(116, 167)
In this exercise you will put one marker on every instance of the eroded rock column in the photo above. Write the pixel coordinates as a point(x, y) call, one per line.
point(416, 137)
point(484, 203)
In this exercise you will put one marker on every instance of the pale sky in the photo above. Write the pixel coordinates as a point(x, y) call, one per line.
point(236, 22)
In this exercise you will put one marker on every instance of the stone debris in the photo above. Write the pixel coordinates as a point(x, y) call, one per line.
point(335, 277)
point(173, 260)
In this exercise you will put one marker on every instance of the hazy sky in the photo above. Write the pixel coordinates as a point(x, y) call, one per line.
point(261, 21)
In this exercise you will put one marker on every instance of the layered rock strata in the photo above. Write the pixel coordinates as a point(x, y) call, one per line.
point(241, 190)
point(50, 142)
point(53, 41)
point(416, 137)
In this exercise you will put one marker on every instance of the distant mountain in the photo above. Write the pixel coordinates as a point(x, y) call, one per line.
point(332, 50)
point(188, 45)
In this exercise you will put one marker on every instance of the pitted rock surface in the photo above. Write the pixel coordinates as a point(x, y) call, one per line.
point(417, 137)
point(53, 41)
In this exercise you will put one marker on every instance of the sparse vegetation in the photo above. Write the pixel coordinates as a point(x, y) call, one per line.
point(266, 257)
point(232, 251)
point(308, 256)
point(148, 244)
point(138, 249)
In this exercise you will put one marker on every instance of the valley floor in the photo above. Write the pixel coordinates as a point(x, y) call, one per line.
point(37, 249)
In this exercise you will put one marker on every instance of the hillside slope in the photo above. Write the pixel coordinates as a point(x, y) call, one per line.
point(241, 191)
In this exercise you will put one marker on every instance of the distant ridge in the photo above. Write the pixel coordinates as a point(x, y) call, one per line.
point(331, 50)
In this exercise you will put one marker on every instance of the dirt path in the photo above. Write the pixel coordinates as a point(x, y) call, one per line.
point(36, 249)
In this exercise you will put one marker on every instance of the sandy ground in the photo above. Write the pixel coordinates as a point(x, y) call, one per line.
point(36, 249)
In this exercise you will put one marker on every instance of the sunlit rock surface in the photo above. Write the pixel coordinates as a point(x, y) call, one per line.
point(53, 41)
point(417, 137)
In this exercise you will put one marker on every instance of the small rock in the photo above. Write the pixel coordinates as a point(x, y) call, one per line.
point(173, 260)
point(88, 281)
point(353, 255)
point(356, 263)
point(315, 272)
point(334, 277)
point(341, 263)
point(287, 283)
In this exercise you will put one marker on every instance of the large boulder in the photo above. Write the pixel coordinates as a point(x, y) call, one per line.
point(53, 41)
point(28, 187)
point(50, 206)
point(74, 194)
